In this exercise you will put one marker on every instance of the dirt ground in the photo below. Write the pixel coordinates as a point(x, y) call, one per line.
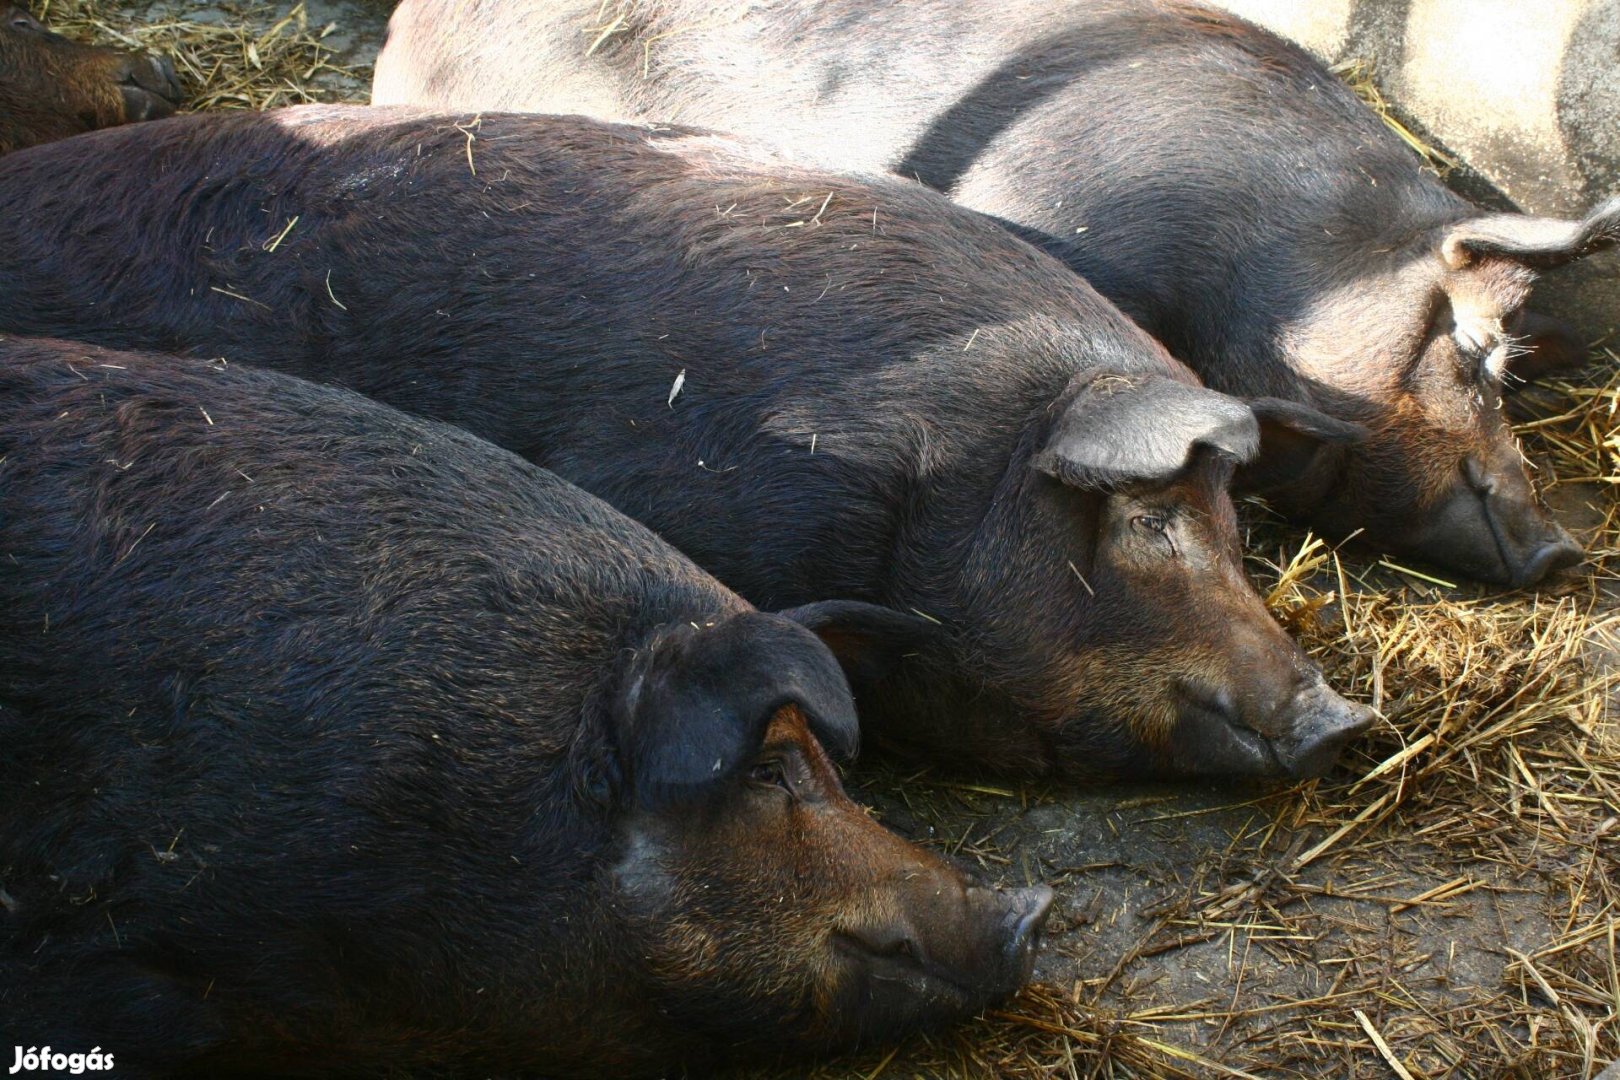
point(1441, 906)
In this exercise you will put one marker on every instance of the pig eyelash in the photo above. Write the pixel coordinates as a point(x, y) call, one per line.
point(1476, 334)
point(1156, 525)
point(1498, 363)
point(1492, 353)
point(1468, 342)
point(771, 773)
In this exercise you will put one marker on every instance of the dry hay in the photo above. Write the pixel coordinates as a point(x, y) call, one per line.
point(239, 54)
point(1358, 73)
point(1495, 776)
point(1495, 773)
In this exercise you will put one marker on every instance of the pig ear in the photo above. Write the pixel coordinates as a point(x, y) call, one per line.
point(870, 642)
point(1532, 241)
point(697, 705)
point(1117, 430)
point(1297, 443)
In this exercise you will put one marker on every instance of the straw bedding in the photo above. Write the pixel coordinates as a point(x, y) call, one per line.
point(1442, 906)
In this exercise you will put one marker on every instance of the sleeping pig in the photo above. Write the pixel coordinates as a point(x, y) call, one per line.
point(1215, 181)
point(338, 742)
point(817, 386)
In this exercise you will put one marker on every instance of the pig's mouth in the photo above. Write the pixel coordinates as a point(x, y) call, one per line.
point(1489, 527)
point(1316, 725)
point(150, 87)
point(1220, 743)
point(896, 962)
point(902, 966)
point(1525, 562)
point(889, 992)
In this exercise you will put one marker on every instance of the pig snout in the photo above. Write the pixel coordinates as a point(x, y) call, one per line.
point(942, 948)
point(150, 87)
point(1490, 527)
point(1556, 551)
point(1321, 724)
point(1298, 733)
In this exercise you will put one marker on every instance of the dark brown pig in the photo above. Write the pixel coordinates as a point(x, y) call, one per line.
point(817, 386)
point(51, 87)
point(1215, 181)
point(341, 743)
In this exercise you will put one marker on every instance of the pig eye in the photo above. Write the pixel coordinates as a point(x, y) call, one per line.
point(1485, 349)
point(1156, 527)
point(1483, 363)
point(770, 774)
point(1472, 351)
point(1468, 340)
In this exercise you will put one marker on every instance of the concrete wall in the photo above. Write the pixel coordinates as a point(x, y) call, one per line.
point(1525, 93)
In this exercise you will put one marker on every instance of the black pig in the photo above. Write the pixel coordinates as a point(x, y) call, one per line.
point(816, 386)
point(51, 87)
point(1215, 181)
point(336, 742)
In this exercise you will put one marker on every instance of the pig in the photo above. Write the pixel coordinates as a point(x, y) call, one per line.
point(1212, 179)
point(339, 742)
point(817, 386)
point(51, 87)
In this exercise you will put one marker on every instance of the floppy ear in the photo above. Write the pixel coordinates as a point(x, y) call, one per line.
point(697, 703)
point(1119, 429)
point(1298, 444)
point(1533, 241)
point(870, 642)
